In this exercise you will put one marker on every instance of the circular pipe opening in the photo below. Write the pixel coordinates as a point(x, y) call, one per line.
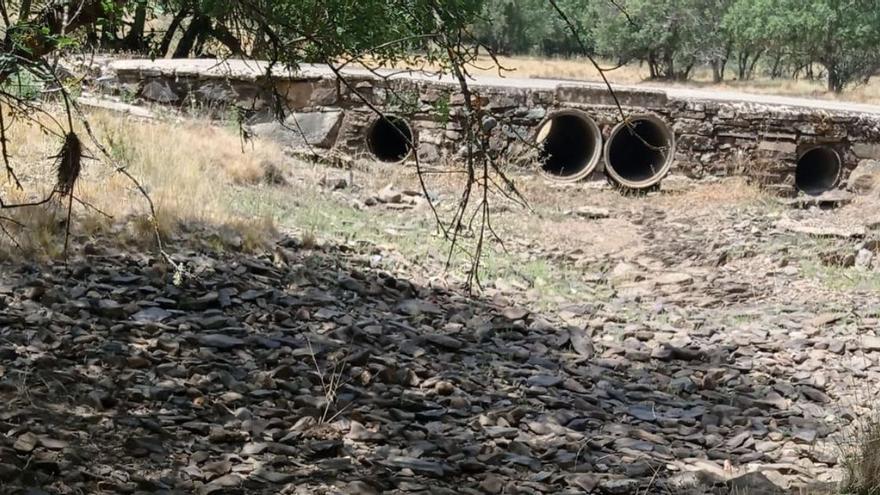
point(639, 152)
point(570, 146)
point(390, 139)
point(818, 170)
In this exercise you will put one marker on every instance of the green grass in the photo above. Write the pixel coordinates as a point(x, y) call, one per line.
point(743, 319)
point(413, 234)
point(841, 278)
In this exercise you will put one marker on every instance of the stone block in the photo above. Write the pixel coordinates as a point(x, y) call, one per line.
point(784, 147)
point(867, 150)
point(159, 91)
point(695, 142)
point(215, 93)
point(692, 126)
point(865, 177)
point(300, 94)
point(428, 152)
point(317, 129)
point(599, 95)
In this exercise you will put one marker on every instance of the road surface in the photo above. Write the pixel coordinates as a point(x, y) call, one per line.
point(251, 69)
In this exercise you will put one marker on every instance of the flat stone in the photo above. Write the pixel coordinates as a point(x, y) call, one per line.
point(869, 343)
point(152, 314)
point(221, 484)
point(416, 307)
point(159, 91)
point(755, 483)
point(821, 230)
point(544, 380)
point(220, 341)
point(673, 278)
point(26, 442)
point(418, 466)
point(592, 212)
point(303, 130)
point(444, 341)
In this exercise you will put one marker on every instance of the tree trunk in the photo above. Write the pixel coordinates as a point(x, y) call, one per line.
point(225, 36)
point(720, 63)
point(754, 63)
point(742, 59)
point(198, 50)
point(134, 40)
point(718, 70)
point(24, 11)
point(53, 20)
point(835, 81)
point(728, 50)
point(685, 74)
point(776, 71)
point(165, 45)
point(260, 45)
point(670, 67)
point(198, 25)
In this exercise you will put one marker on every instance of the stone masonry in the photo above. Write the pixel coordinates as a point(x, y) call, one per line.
point(714, 137)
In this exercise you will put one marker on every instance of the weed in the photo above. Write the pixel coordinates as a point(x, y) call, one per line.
point(23, 85)
point(841, 278)
point(442, 109)
point(862, 460)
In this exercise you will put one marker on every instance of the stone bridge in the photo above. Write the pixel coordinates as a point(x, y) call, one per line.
point(788, 144)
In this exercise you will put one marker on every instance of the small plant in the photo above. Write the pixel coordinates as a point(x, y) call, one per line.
point(442, 109)
point(331, 385)
point(404, 102)
point(862, 460)
point(128, 94)
point(23, 85)
point(234, 118)
point(309, 239)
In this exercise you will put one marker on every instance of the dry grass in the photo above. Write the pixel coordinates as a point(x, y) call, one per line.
point(862, 461)
point(582, 70)
point(189, 169)
point(726, 193)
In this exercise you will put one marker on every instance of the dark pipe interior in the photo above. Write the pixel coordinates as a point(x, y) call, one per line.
point(568, 147)
point(637, 152)
point(390, 139)
point(817, 171)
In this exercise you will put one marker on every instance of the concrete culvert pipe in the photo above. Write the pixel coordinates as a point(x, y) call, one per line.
point(390, 139)
point(639, 152)
point(570, 146)
point(818, 170)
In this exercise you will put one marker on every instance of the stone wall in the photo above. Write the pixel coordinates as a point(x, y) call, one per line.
point(713, 137)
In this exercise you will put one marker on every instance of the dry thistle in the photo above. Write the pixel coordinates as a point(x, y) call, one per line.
point(69, 164)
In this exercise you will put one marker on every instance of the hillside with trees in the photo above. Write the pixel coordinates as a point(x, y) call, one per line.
point(830, 40)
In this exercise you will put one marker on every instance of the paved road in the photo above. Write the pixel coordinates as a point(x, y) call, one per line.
point(250, 69)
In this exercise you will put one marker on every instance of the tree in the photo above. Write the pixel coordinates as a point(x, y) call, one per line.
point(671, 36)
point(531, 26)
point(842, 35)
point(374, 33)
point(753, 29)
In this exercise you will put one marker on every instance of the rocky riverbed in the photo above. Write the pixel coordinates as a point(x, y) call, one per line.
point(705, 358)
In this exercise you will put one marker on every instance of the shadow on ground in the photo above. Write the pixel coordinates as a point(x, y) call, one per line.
point(314, 371)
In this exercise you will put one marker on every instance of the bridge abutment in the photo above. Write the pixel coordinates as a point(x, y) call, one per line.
point(713, 136)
